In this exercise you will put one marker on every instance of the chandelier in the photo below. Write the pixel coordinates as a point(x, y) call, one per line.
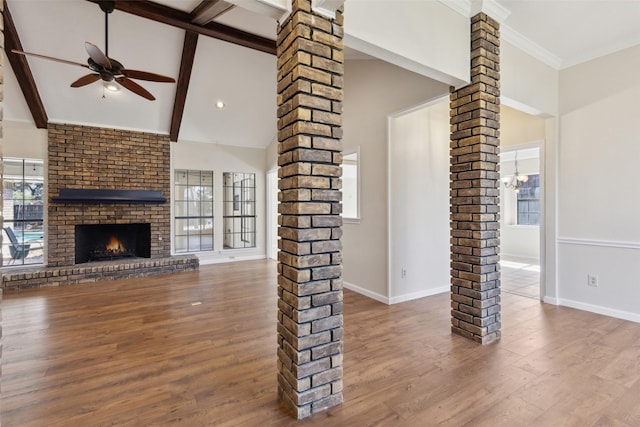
point(516, 181)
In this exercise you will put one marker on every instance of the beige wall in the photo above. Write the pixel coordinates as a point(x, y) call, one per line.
point(526, 82)
point(373, 90)
point(518, 128)
point(404, 39)
point(419, 235)
point(24, 140)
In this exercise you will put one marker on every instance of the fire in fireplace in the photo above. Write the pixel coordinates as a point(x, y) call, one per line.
point(114, 249)
point(103, 242)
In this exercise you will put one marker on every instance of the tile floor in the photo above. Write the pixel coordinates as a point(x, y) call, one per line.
point(520, 278)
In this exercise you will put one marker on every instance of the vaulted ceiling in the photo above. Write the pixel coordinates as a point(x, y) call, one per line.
point(176, 38)
point(244, 78)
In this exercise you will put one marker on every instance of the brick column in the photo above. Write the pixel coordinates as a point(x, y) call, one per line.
point(475, 240)
point(310, 68)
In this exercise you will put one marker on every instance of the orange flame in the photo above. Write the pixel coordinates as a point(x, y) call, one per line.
point(115, 245)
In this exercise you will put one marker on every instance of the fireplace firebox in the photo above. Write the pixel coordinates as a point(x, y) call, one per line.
point(105, 242)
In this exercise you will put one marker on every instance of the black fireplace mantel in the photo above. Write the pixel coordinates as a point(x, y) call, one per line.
point(82, 195)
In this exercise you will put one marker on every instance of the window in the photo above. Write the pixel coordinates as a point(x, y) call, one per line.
point(350, 186)
point(193, 202)
point(239, 210)
point(528, 199)
point(23, 193)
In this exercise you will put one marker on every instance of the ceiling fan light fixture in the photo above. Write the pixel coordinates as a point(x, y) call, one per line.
point(111, 86)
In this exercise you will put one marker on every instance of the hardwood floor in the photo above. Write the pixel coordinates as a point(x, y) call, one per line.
point(138, 352)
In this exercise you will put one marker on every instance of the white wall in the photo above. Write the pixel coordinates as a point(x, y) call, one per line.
point(419, 254)
point(426, 37)
point(372, 91)
point(223, 158)
point(598, 203)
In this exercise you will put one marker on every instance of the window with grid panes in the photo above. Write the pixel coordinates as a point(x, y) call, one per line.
point(23, 211)
point(528, 199)
point(193, 210)
point(239, 198)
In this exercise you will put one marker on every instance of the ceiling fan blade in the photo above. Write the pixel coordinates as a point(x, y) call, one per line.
point(135, 88)
point(85, 80)
point(37, 55)
point(96, 55)
point(145, 75)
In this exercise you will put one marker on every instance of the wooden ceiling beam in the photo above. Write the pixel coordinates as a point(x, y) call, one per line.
point(208, 10)
point(22, 71)
point(186, 65)
point(177, 18)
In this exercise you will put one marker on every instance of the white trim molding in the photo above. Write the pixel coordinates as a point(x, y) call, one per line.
point(366, 292)
point(327, 8)
point(513, 37)
point(471, 8)
point(207, 259)
point(463, 7)
point(599, 243)
point(417, 295)
point(395, 300)
point(605, 311)
point(491, 8)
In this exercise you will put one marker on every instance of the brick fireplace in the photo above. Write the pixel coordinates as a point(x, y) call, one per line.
point(84, 158)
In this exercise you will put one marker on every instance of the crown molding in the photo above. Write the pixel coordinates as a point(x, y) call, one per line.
point(469, 8)
point(601, 51)
point(510, 35)
point(463, 7)
point(491, 8)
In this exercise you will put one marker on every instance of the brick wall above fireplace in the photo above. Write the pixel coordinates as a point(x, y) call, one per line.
point(83, 157)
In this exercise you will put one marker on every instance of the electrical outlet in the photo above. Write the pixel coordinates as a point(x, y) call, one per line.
point(403, 273)
point(592, 280)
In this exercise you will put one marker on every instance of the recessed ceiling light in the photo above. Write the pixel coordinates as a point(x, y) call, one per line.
point(220, 105)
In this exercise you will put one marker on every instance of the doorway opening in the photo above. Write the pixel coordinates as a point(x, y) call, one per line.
point(520, 218)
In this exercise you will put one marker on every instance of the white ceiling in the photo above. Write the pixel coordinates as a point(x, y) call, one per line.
point(560, 32)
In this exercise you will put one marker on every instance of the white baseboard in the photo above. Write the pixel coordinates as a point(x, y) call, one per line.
point(421, 294)
point(398, 299)
point(551, 300)
point(366, 292)
point(204, 260)
point(606, 311)
point(520, 259)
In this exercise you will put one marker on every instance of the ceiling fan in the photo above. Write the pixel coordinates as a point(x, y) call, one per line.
point(105, 68)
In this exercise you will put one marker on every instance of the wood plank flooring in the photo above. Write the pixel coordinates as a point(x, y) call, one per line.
point(138, 352)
